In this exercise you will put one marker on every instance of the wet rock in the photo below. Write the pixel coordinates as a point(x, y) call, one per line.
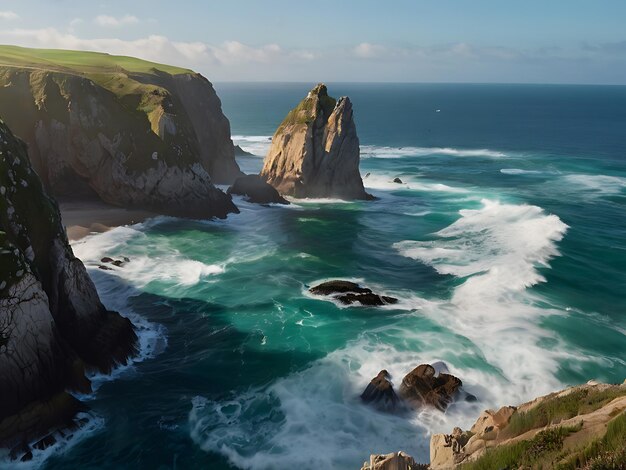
point(380, 392)
point(256, 190)
point(45, 442)
point(104, 268)
point(349, 293)
point(423, 387)
point(106, 259)
point(397, 180)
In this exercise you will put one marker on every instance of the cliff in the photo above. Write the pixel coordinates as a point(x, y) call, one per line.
point(579, 427)
point(315, 151)
point(53, 326)
point(131, 132)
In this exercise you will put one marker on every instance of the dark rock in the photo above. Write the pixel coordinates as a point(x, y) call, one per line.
point(126, 259)
point(45, 442)
point(423, 387)
point(349, 293)
point(106, 259)
point(239, 152)
point(256, 190)
point(380, 392)
point(397, 180)
point(118, 263)
point(105, 268)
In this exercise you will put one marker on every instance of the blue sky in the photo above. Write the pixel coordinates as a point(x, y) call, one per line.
point(549, 41)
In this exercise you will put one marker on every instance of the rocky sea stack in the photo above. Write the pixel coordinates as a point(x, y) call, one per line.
point(315, 151)
point(53, 327)
point(129, 132)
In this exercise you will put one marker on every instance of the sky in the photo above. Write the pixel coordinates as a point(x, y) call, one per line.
point(479, 41)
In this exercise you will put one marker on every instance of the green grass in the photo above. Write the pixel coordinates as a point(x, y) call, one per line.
point(608, 452)
point(554, 410)
point(535, 452)
point(80, 61)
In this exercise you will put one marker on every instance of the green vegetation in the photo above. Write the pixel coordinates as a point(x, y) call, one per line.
point(608, 452)
point(80, 61)
point(556, 409)
point(540, 451)
point(309, 108)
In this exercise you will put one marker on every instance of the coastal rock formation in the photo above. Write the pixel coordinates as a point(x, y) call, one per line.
point(579, 427)
point(256, 190)
point(349, 293)
point(53, 326)
point(380, 392)
point(393, 461)
point(129, 132)
point(315, 151)
point(423, 386)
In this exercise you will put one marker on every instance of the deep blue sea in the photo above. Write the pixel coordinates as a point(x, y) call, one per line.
point(505, 243)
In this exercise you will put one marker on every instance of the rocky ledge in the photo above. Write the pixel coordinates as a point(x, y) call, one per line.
point(349, 293)
point(315, 151)
point(256, 190)
point(53, 327)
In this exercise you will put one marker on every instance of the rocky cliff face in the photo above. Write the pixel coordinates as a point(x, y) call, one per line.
point(53, 326)
point(315, 151)
point(147, 139)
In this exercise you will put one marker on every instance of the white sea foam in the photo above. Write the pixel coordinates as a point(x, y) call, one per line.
point(255, 144)
point(314, 419)
point(519, 171)
point(597, 184)
point(64, 442)
point(384, 182)
point(375, 151)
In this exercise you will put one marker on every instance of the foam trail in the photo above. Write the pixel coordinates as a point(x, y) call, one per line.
point(384, 182)
point(255, 144)
point(374, 151)
point(595, 184)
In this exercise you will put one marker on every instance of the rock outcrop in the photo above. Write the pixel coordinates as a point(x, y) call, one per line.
point(53, 327)
point(423, 386)
point(315, 151)
point(380, 393)
point(256, 190)
point(129, 132)
point(574, 428)
point(349, 293)
point(393, 461)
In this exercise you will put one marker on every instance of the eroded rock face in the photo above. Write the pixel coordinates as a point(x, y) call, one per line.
point(380, 392)
point(145, 140)
point(393, 461)
point(349, 293)
point(423, 386)
point(52, 323)
point(256, 190)
point(315, 151)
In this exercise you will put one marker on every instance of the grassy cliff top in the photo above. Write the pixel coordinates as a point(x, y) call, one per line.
point(80, 61)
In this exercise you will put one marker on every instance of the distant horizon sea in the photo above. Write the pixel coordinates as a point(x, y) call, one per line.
point(505, 243)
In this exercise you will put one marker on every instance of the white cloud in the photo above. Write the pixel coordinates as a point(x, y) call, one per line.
point(8, 15)
point(366, 50)
point(114, 22)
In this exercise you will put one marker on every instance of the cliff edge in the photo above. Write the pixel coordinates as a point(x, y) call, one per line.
point(53, 327)
point(129, 132)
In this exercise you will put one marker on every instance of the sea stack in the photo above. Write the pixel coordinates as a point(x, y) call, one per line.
point(315, 151)
point(53, 326)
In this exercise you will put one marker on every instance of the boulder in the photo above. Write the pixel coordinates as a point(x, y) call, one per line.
point(256, 190)
point(315, 151)
point(393, 461)
point(423, 387)
point(380, 392)
point(397, 180)
point(349, 293)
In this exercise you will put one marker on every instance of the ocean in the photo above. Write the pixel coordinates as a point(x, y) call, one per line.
point(505, 243)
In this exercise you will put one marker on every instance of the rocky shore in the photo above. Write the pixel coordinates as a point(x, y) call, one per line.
point(53, 327)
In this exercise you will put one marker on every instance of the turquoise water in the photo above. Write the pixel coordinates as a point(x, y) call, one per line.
point(505, 243)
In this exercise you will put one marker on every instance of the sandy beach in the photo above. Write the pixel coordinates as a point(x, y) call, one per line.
point(92, 216)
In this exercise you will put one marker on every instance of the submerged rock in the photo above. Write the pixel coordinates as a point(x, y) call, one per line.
point(349, 293)
point(380, 392)
point(53, 326)
point(256, 190)
point(424, 387)
point(315, 151)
